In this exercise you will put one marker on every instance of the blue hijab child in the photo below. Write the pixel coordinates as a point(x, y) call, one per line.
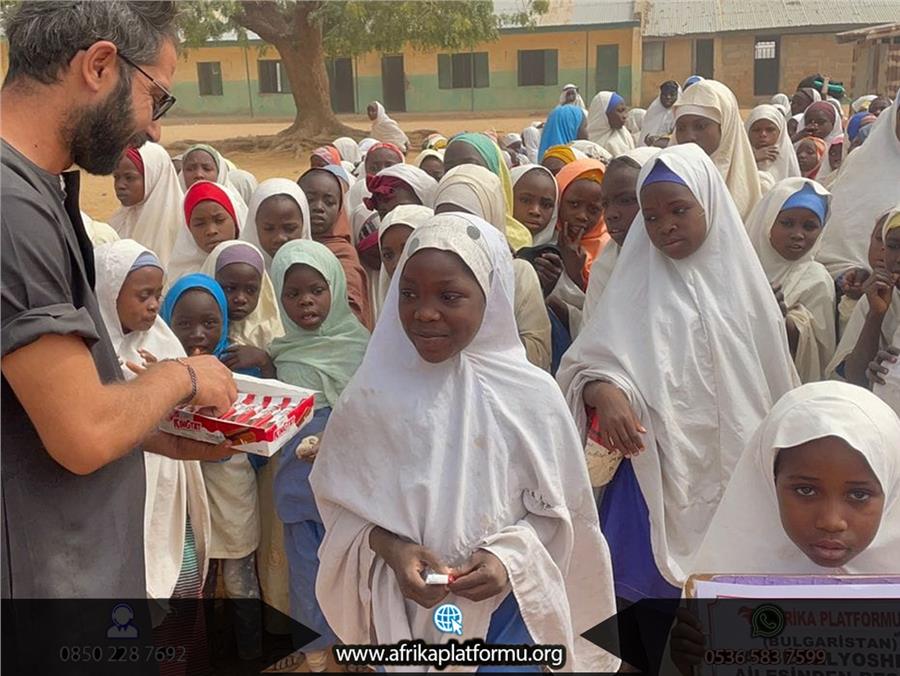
point(323, 345)
point(566, 123)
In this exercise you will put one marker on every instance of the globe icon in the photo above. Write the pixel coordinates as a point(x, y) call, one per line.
point(448, 619)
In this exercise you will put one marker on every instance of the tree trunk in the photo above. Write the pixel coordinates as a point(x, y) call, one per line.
point(299, 42)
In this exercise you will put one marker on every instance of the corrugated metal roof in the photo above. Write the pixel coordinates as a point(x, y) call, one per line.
point(577, 12)
point(665, 18)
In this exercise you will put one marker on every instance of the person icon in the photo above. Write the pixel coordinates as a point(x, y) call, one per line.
point(122, 616)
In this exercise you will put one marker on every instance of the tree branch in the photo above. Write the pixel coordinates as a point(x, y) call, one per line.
point(266, 19)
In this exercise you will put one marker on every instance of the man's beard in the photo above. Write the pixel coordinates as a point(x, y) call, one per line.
point(98, 136)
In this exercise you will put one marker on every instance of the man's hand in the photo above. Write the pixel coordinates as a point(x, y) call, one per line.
point(215, 384)
point(182, 448)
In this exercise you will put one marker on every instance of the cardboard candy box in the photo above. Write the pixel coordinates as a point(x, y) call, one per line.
point(265, 416)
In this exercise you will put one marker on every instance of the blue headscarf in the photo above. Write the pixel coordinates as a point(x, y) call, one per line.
point(854, 124)
point(211, 286)
point(561, 127)
point(808, 198)
point(614, 101)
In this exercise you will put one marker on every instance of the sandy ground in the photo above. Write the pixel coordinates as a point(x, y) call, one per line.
point(99, 200)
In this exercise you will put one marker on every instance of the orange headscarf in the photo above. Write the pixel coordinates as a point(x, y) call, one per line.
point(596, 238)
point(821, 151)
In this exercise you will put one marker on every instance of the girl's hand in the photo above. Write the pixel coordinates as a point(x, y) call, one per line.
point(621, 428)
point(878, 289)
point(573, 256)
point(767, 153)
point(686, 643)
point(148, 357)
point(851, 282)
point(480, 578)
point(549, 268)
point(239, 357)
point(409, 562)
point(779, 297)
point(876, 370)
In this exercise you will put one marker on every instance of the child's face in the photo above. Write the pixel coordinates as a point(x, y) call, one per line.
point(554, 164)
point(800, 102)
point(668, 97)
point(381, 158)
point(459, 153)
point(241, 283)
point(836, 156)
point(198, 166)
point(534, 199)
point(211, 225)
point(700, 130)
point(675, 220)
point(385, 204)
point(392, 242)
point(434, 167)
point(580, 208)
point(876, 245)
point(763, 133)
point(878, 104)
point(795, 232)
point(441, 304)
point(278, 221)
point(128, 182)
point(306, 297)
point(372, 112)
point(323, 192)
point(818, 122)
point(138, 302)
point(197, 322)
point(807, 157)
point(829, 499)
point(619, 201)
point(618, 116)
point(892, 254)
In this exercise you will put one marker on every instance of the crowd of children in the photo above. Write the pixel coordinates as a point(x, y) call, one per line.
point(679, 282)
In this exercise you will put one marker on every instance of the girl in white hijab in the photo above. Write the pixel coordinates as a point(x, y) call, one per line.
point(634, 121)
point(548, 233)
point(526, 516)
point(566, 96)
point(275, 226)
point(531, 141)
point(384, 129)
point(700, 319)
point(714, 123)
point(155, 221)
point(188, 256)
point(789, 220)
point(833, 110)
point(407, 217)
point(659, 121)
point(865, 189)
point(176, 512)
point(779, 161)
point(616, 140)
point(349, 149)
point(243, 182)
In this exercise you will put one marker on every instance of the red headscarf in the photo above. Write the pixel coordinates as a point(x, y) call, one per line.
point(389, 146)
point(329, 154)
point(594, 239)
point(136, 159)
point(207, 191)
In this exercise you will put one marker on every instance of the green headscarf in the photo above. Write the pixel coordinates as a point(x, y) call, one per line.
point(209, 150)
point(325, 359)
point(517, 234)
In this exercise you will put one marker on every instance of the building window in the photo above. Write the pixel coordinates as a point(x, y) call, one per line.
point(273, 78)
point(654, 56)
point(538, 67)
point(209, 78)
point(463, 71)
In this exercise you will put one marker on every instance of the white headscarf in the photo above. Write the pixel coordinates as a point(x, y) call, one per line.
point(98, 232)
point(243, 182)
point(410, 215)
point(349, 149)
point(616, 141)
point(734, 156)
point(785, 165)
point(223, 165)
point(837, 130)
point(808, 288)
point(385, 129)
point(261, 326)
point(421, 183)
point(428, 152)
point(546, 235)
point(713, 328)
point(426, 477)
point(865, 190)
point(475, 190)
point(591, 149)
point(531, 142)
point(862, 103)
point(747, 536)
point(156, 221)
point(634, 121)
point(659, 120)
point(783, 103)
point(578, 100)
point(174, 488)
point(187, 257)
point(270, 188)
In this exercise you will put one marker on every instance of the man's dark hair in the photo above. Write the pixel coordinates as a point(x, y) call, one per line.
point(44, 35)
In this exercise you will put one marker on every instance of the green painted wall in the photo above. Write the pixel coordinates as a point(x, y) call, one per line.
point(235, 100)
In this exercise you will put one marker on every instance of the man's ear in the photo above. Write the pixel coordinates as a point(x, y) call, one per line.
point(98, 65)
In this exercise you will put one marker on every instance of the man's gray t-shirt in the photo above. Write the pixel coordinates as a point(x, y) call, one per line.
point(64, 535)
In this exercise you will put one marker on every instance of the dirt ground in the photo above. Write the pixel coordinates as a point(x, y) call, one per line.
point(99, 200)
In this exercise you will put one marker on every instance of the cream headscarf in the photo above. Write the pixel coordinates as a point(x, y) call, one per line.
point(785, 165)
point(270, 188)
point(476, 190)
point(384, 129)
point(349, 149)
point(808, 288)
point(410, 215)
point(746, 535)
point(713, 328)
point(734, 156)
point(263, 325)
point(175, 488)
point(463, 466)
point(616, 141)
point(157, 220)
point(98, 232)
point(837, 130)
point(865, 190)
